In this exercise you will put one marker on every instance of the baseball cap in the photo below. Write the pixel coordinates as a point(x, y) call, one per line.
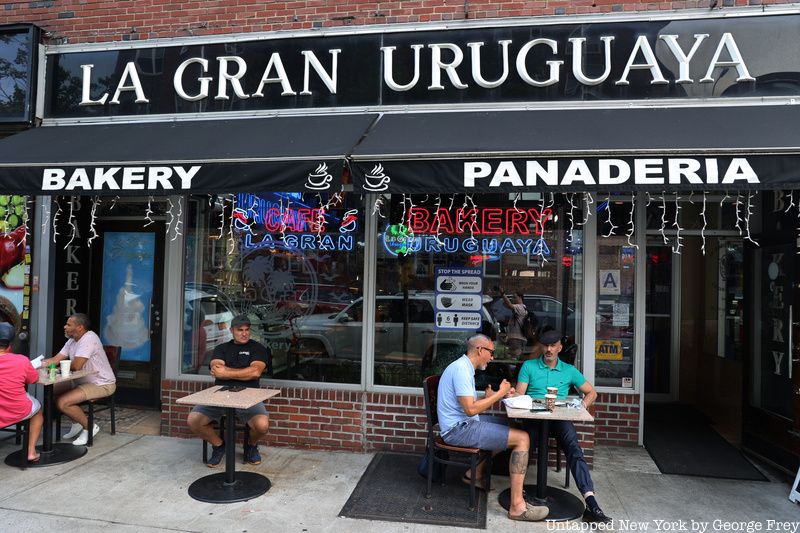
point(240, 320)
point(551, 336)
point(7, 333)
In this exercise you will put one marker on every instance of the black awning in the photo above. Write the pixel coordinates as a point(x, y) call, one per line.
point(282, 154)
point(742, 147)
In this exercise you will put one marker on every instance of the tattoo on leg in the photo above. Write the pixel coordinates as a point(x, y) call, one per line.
point(518, 463)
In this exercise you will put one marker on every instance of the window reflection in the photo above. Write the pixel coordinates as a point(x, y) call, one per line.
point(518, 244)
point(294, 264)
point(614, 321)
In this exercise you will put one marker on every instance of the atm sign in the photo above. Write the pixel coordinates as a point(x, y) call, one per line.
point(608, 350)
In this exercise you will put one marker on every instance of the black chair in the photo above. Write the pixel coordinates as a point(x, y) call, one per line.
point(558, 466)
point(222, 422)
point(113, 354)
point(22, 432)
point(463, 456)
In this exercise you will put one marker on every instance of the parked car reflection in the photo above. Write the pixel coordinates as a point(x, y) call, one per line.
point(207, 315)
point(404, 330)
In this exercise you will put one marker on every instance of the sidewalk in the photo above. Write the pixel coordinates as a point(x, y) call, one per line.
point(136, 483)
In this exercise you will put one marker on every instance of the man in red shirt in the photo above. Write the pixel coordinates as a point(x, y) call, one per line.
point(15, 403)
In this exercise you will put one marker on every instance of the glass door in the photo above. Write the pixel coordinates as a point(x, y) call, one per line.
point(660, 381)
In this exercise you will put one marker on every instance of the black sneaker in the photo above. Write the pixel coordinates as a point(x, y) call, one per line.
point(217, 453)
point(251, 455)
point(595, 514)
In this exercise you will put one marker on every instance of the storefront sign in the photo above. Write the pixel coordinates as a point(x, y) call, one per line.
point(478, 221)
point(606, 350)
point(703, 58)
point(609, 282)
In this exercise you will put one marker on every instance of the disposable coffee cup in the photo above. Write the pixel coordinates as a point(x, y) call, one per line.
point(552, 390)
point(550, 399)
point(65, 368)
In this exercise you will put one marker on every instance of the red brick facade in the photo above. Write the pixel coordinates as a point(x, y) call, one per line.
point(90, 21)
point(616, 419)
point(302, 417)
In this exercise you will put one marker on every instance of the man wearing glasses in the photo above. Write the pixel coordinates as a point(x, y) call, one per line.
point(461, 423)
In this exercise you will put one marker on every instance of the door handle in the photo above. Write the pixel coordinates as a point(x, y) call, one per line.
point(428, 331)
point(381, 330)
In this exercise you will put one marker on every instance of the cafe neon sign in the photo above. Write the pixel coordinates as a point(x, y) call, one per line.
point(299, 227)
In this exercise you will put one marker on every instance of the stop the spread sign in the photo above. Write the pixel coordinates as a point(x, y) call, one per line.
point(458, 298)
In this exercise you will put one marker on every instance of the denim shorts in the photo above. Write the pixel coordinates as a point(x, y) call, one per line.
point(243, 415)
point(487, 433)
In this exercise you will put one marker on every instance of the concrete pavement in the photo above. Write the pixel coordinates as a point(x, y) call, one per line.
point(135, 483)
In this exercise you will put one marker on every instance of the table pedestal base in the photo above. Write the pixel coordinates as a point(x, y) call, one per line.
point(214, 489)
point(563, 505)
point(62, 452)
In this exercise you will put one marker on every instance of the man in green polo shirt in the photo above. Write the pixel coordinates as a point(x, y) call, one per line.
point(550, 371)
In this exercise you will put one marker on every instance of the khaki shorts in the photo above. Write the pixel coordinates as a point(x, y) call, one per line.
point(93, 392)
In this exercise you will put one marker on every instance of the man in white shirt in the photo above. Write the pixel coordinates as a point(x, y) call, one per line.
point(86, 352)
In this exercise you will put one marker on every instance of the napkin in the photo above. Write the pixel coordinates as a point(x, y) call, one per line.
point(519, 402)
point(36, 363)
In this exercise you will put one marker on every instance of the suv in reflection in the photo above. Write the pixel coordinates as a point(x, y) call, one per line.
point(339, 335)
point(548, 312)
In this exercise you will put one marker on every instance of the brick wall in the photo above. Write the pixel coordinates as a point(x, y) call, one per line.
point(323, 419)
point(81, 21)
point(616, 418)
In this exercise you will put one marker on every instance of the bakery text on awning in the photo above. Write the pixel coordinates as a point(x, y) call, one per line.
point(285, 154)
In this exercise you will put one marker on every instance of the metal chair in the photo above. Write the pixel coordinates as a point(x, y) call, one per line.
point(221, 424)
point(22, 433)
point(113, 353)
point(464, 456)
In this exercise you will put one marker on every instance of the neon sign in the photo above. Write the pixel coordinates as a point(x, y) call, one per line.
point(478, 220)
point(397, 241)
point(305, 241)
point(299, 226)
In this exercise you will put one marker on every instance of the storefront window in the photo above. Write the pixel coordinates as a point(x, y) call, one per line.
point(15, 259)
point(441, 262)
point(294, 264)
point(616, 269)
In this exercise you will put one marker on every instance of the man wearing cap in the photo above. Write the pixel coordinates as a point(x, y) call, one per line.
point(16, 404)
point(85, 350)
point(238, 362)
point(550, 371)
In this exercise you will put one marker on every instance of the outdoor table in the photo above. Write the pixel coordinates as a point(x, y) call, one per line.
point(52, 453)
point(563, 504)
point(229, 487)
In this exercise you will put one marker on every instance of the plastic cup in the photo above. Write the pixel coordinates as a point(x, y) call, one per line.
point(550, 399)
point(552, 390)
point(65, 368)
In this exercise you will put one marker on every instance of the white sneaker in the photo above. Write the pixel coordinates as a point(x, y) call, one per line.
point(84, 436)
point(74, 431)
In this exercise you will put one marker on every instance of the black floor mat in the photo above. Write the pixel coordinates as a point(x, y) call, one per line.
point(681, 441)
point(391, 490)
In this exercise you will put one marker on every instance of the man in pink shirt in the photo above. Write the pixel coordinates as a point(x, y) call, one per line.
point(16, 404)
point(85, 350)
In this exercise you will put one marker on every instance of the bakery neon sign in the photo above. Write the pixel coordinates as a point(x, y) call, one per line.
point(477, 221)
